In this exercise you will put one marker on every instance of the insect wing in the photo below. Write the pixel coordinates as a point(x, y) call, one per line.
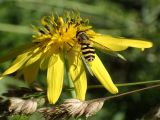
point(106, 50)
point(87, 66)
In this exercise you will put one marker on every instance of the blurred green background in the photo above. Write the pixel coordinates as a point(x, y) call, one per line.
point(126, 18)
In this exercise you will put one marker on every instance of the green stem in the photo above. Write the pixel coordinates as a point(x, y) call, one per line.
point(126, 84)
point(73, 93)
point(119, 85)
point(130, 92)
point(70, 83)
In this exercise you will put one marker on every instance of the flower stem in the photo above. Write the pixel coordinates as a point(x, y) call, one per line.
point(127, 93)
point(70, 84)
point(73, 93)
point(126, 84)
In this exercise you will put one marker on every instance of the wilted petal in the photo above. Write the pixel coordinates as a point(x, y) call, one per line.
point(55, 76)
point(119, 44)
point(101, 73)
point(78, 75)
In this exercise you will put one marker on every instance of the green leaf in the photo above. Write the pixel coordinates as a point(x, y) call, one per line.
point(34, 116)
point(18, 117)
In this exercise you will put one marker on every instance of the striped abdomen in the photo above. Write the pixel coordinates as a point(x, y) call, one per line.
point(88, 51)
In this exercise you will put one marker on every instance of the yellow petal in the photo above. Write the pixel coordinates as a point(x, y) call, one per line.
point(55, 74)
point(45, 60)
point(18, 63)
point(102, 75)
point(15, 52)
point(44, 63)
point(78, 75)
point(35, 57)
point(136, 43)
point(119, 44)
point(30, 72)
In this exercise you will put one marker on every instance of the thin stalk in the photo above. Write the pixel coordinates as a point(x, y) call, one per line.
point(120, 85)
point(126, 84)
point(70, 84)
point(126, 93)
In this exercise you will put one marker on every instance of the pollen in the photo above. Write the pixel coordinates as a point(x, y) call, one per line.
point(60, 32)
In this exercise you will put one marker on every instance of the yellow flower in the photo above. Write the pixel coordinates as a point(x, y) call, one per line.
point(64, 39)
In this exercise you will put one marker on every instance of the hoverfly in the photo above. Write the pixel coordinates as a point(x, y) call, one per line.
point(88, 51)
point(87, 47)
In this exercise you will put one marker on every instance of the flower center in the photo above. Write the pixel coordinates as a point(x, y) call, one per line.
point(60, 33)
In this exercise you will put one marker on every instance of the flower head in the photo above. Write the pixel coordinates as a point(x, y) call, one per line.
point(69, 38)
